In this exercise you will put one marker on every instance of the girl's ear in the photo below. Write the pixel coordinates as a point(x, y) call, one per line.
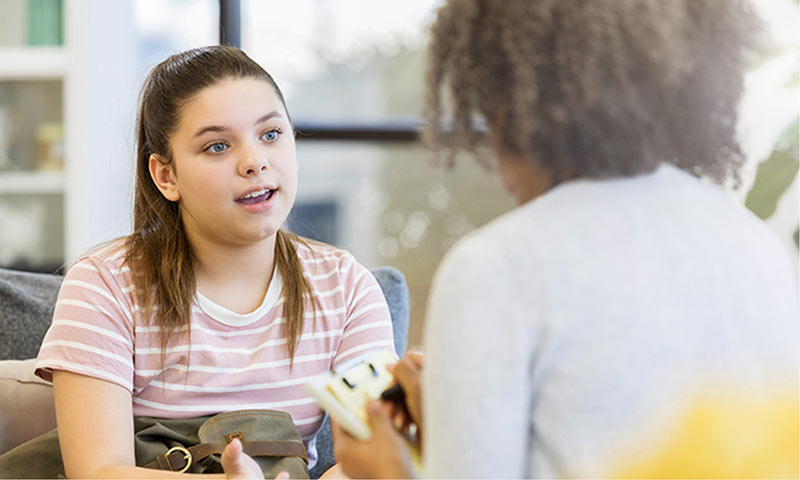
point(164, 178)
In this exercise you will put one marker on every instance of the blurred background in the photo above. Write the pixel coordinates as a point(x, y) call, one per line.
point(352, 73)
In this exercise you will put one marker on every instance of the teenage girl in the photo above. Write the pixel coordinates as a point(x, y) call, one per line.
point(208, 306)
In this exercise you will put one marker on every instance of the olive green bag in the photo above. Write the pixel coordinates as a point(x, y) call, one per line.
point(192, 445)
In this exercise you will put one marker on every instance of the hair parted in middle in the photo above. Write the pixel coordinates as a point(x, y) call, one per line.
point(596, 88)
point(159, 256)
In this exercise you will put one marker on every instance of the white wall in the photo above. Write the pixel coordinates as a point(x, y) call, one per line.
point(100, 98)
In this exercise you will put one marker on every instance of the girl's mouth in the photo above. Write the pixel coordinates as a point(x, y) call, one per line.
point(256, 197)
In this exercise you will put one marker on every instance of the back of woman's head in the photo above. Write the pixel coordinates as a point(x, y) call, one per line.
point(594, 88)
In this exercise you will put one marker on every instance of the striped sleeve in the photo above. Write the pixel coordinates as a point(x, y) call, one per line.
point(368, 325)
point(92, 329)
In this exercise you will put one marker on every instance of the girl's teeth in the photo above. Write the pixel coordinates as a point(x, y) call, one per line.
point(256, 194)
point(256, 197)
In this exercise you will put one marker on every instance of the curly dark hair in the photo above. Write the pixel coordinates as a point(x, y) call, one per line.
point(594, 89)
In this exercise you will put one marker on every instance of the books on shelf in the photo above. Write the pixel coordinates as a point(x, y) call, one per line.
point(45, 26)
point(31, 23)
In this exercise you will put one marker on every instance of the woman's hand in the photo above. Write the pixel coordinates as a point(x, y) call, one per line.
point(384, 455)
point(240, 465)
point(407, 372)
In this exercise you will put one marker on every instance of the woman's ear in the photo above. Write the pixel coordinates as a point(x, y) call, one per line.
point(164, 178)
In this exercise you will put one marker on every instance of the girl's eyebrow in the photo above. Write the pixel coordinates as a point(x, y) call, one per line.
point(219, 128)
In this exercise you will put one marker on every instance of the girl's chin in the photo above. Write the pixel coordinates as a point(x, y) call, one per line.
point(249, 237)
point(263, 234)
point(260, 236)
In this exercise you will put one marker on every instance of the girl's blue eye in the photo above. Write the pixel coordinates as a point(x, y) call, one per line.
point(218, 147)
point(270, 136)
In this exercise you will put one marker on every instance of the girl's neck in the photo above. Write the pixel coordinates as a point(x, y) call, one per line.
point(234, 276)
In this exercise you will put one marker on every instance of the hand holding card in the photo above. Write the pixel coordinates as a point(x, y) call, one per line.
point(343, 393)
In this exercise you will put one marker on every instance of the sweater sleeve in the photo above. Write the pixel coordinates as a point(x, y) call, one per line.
point(476, 381)
point(92, 329)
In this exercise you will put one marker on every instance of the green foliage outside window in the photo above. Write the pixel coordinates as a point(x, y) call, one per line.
point(776, 174)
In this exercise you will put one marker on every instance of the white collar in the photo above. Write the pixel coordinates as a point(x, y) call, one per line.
point(233, 319)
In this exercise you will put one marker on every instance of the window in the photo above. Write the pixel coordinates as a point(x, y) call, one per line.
point(164, 27)
point(352, 73)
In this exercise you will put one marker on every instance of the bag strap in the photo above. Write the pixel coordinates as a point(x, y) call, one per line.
point(179, 459)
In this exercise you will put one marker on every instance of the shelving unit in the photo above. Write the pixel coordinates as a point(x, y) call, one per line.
point(33, 63)
point(88, 85)
point(31, 183)
point(32, 93)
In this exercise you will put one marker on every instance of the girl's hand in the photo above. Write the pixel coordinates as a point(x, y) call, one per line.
point(238, 464)
point(384, 455)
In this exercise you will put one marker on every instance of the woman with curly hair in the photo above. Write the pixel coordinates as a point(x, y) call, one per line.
point(627, 319)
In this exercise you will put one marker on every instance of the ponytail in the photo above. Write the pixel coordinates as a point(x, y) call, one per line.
point(296, 288)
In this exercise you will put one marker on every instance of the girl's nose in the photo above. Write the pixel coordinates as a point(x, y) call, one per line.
point(254, 162)
point(254, 168)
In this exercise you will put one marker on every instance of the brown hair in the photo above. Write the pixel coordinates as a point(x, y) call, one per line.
point(594, 88)
point(159, 255)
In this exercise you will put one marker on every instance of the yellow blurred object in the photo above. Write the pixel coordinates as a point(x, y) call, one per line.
point(729, 437)
point(50, 146)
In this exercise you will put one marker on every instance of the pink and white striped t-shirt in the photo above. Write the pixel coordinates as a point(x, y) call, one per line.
point(236, 361)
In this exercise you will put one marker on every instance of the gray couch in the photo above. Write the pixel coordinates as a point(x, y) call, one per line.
point(26, 306)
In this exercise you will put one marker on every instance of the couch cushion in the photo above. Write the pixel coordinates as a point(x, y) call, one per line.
point(26, 403)
point(26, 310)
point(394, 288)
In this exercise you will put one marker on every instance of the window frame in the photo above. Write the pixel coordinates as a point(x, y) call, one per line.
point(399, 130)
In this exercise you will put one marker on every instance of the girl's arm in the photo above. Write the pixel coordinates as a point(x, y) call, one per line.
point(95, 429)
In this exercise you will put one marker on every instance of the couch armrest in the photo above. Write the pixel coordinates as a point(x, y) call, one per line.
point(26, 403)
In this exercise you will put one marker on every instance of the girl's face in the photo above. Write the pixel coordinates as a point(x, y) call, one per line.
point(234, 169)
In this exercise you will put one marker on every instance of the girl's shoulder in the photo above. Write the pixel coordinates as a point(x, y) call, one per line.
point(311, 252)
point(101, 278)
point(104, 259)
point(321, 261)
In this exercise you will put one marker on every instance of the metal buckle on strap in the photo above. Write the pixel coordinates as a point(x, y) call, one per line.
point(187, 455)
